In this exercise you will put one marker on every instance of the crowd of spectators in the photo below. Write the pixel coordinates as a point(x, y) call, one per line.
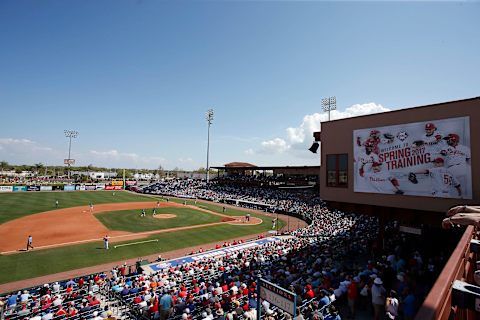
point(79, 298)
point(329, 264)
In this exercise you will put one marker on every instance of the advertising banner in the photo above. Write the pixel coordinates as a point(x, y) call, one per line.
point(6, 188)
point(33, 188)
point(158, 266)
point(430, 158)
point(69, 187)
point(117, 183)
point(131, 183)
point(90, 187)
point(46, 188)
point(109, 187)
point(19, 188)
point(100, 186)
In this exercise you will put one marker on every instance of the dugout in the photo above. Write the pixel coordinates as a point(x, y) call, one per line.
point(402, 142)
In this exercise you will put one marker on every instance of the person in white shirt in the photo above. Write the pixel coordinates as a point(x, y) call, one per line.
point(391, 305)
point(56, 288)
point(24, 297)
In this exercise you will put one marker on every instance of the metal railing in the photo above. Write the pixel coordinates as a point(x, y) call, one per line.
point(460, 266)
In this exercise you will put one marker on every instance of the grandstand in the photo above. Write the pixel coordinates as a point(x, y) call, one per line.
point(320, 263)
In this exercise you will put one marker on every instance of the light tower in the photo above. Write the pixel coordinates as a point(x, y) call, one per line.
point(70, 134)
point(329, 104)
point(209, 118)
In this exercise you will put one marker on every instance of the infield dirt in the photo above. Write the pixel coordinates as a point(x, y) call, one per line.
point(78, 225)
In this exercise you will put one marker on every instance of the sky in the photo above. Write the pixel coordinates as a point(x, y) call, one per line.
point(135, 78)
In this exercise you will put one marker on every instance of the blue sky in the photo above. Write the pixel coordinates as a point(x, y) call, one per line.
point(135, 78)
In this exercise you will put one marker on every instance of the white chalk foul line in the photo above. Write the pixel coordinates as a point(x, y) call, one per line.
point(132, 243)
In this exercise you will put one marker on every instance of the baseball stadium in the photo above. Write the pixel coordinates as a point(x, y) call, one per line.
point(262, 242)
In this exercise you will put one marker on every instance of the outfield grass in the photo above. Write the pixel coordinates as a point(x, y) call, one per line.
point(19, 204)
point(43, 262)
point(130, 220)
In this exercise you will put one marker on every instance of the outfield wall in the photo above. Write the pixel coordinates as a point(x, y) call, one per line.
point(66, 187)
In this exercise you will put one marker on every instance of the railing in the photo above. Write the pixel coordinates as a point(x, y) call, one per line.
point(460, 266)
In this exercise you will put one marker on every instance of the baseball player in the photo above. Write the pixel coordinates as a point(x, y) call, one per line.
point(105, 242)
point(364, 159)
point(382, 181)
point(154, 213)
point(433, 140)
point(374, 139)
point(29, 242)
point(457, 158)
point(444, 184)
point(143, 214)
point(56, 203)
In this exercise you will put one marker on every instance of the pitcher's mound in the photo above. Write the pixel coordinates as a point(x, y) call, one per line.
point(165, 216)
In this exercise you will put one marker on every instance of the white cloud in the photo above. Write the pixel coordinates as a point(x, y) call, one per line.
point(115, 158)
point(300, 137)
point(185, 160)
point(276, 145)
point(25, 151)
point(11, 141)
point(250, 151)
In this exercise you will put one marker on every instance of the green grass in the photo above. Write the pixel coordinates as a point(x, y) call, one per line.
point(130, 220)
point(42, 262)
point(16, 205)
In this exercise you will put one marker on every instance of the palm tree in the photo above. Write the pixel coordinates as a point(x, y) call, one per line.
point(3, 165)
point(38, 167)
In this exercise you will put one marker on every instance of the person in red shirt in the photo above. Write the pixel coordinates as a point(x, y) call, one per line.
point(81, 282)
point(309, 294)
point(72, 311)
point(94, 301)
point(61, 311)
point(137, 299)
point(352, 295)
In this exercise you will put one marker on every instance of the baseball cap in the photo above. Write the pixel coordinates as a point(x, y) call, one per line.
point(429, 126)
point(438, 160)
point(452, 136)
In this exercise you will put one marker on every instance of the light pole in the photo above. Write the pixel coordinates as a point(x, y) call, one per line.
point(209, 118)
point(70, 134)
point(329, 104)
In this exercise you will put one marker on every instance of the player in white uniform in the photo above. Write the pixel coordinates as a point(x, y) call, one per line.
point(382, 181)
point(364, 159)
point(433, 140)
point(457, 160)
point(444, 184)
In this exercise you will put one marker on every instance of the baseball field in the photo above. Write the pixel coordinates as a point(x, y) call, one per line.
point(69, 235)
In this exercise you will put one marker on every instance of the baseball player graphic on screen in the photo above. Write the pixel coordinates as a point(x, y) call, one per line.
point(443, 182)
point(381, 180)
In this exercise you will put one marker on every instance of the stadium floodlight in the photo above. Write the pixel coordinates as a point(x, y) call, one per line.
point(209, 118)
point(329, 104)
point(70, 134)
